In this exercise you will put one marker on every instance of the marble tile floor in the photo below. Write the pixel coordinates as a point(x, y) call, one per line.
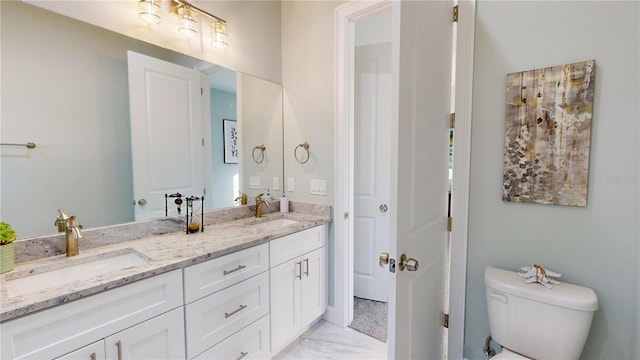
point(327, 341)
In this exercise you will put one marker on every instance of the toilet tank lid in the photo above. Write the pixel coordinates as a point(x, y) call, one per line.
point(566, 295)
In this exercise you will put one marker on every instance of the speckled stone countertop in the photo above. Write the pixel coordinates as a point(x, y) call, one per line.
point(165, 252)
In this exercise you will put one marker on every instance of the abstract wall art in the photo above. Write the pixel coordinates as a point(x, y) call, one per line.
point(548, 134)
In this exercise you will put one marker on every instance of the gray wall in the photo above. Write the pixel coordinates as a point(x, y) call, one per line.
point(223, 106)
point(596, 246)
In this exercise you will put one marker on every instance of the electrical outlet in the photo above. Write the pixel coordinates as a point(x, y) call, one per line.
point(276, 183)
point(291, 185)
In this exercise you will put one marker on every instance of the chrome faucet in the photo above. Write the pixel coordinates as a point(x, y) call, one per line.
point(73, 231)
point(259, 203)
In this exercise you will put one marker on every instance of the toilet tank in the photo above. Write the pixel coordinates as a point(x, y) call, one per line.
point(537, 322)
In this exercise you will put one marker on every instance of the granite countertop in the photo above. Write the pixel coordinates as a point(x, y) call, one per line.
point(164, 253)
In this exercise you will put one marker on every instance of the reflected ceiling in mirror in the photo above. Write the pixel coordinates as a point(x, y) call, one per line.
point(65, 87)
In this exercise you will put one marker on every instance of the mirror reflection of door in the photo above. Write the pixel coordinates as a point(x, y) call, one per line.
point(165, 105)
point(371, 173)
point(372, 176)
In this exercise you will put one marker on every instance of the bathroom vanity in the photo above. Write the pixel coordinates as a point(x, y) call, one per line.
point(241, 289)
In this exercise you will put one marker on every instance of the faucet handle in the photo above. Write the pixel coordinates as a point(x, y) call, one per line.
point(61, 220)
point(75, 228)
point(259, 198)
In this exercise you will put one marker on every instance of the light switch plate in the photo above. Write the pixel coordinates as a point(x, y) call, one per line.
point(276, 183)
point(254, 182)
point(318, 187)
point(291, 185)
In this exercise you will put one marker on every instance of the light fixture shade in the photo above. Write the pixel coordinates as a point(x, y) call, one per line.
point(150, 11)
point(219, 34)
point(188, 21)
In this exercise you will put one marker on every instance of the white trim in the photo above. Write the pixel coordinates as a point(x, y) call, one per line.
point(461, 166)
point(342, 312)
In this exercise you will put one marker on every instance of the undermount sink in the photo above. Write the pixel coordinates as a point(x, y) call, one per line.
point(68, 270)
point(275, 224)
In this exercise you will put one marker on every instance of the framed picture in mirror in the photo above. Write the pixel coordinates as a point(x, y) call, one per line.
point(231, 148)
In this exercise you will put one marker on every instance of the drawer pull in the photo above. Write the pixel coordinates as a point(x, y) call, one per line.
point(299, 270)
point(92, 356)
point(242, 307)
point(306, 264)
point(119, 347)
point(242, 354)
point(240, 267)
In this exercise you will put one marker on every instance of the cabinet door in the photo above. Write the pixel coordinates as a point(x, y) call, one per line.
point(94, 351)
point(159, 338)
point(285, 303)
point(313, 285)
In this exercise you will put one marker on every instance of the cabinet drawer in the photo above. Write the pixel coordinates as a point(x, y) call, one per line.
point(294, 245)
point(206, 278)
point(59, 330)
point(94, 351)
point(213, 318)
point(251, 342)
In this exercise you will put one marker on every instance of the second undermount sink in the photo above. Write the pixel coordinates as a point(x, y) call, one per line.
point(68, 270)
point(275, 224)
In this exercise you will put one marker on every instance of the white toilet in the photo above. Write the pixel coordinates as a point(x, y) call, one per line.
point(533, 322)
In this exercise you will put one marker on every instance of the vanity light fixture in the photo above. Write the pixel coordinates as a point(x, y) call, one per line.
point(219, 34)
point(188, 19)
point(150, 11)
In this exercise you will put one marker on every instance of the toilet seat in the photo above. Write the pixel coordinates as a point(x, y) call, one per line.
point(507, 354)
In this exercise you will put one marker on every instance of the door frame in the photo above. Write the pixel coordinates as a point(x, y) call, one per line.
point(341, 312)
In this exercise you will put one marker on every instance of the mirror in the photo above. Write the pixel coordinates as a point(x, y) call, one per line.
point(65, 88)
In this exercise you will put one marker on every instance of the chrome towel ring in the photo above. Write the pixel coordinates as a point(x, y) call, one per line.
point(258, 157)
point(302, 159)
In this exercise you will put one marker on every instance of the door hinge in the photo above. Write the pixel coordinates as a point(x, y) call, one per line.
point(201, 91)
point(445, 321)
point(455, 13)
point(452, 120)
point(449, 224)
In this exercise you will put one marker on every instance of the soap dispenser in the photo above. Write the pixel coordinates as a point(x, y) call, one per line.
point(284, 204)
point(268, 196)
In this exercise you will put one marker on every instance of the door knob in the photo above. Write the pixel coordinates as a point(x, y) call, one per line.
point(384, 259)
point(142, 202)
point(408, 263)
point(384, 208)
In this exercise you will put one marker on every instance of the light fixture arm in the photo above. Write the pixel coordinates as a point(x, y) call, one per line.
point(177, 4)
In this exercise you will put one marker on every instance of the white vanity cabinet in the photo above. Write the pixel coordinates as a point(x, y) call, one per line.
point(298, 284)
point(236, 289)
point(79, 327)
point(94, 351)
point(159, 338)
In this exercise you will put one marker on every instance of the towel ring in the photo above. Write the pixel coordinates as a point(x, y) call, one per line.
point(28, 145)
point(259, 155)
point(299, 159)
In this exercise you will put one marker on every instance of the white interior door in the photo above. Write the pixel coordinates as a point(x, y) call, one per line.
point(372, 116)
point(422, 76)
point(166, 133)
